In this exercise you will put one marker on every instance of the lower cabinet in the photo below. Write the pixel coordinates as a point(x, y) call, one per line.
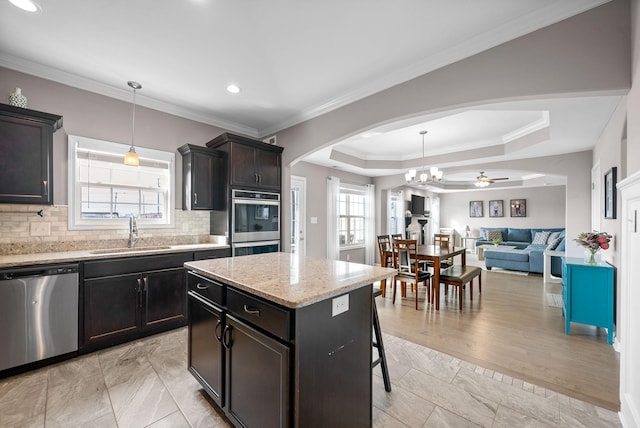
point(121, 302)
point(257, 370)
point(268, 366)
point(245, 371)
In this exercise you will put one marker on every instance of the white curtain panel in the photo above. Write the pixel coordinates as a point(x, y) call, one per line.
point(333, 191)
point(370, 225)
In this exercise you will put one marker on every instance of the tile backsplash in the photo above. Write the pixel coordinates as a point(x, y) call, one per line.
point(23, 231)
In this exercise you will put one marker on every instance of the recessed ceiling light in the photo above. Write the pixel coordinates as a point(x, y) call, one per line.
point(27, 5)
point(234, 89)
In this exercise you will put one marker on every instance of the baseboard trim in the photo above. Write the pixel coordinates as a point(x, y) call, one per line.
point(629, 414)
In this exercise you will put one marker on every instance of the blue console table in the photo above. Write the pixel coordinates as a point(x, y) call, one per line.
point(588, 294)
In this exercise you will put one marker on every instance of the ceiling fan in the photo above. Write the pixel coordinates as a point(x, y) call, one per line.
point(484, 181)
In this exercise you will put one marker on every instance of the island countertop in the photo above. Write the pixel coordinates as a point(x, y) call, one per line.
point(288, 279)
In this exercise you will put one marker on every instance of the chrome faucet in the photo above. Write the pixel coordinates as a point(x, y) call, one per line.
point(133, 232)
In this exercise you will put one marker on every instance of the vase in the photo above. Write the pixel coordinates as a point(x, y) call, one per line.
point(17, 99)
point(591, 256)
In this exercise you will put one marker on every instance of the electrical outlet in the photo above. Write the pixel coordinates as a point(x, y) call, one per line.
point(40, 229)
point(339, 305)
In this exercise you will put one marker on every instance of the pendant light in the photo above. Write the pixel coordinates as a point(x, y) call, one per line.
point(131, 158)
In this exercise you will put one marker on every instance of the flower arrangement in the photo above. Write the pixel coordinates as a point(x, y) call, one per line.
point(497, 241)
point(594, 242)
point(407, 213)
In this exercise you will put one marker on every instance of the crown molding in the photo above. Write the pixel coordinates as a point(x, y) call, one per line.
point(79, 82)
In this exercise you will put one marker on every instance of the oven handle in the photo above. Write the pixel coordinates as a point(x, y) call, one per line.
point(239, 201)
point(255, 244)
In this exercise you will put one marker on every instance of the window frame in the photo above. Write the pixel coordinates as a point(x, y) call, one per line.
point(74, 188)
point(347, 189)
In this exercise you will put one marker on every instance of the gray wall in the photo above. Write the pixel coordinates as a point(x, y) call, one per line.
point(585, 54)
point(97, 116)
point(545, 208)
point(316, 239)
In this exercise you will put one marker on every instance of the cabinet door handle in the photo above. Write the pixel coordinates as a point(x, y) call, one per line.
point(195, 198)
point(139, 293)
point(45, 187)
point(146, 283)
point(251, 311)
point(256, 177)
point(202, 287)
point(226, 336)
point(215, 331)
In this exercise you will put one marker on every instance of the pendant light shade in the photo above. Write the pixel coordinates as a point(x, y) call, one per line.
point(131, 158)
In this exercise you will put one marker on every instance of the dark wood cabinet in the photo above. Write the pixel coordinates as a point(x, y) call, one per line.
point(111, 307)
point(242, 366)
point(282, 366)
point(203, 172)
point(26, 163)
point(258, 377)
point(126, 298)
point(164, 298)
point(206, 354)
point(251, 164)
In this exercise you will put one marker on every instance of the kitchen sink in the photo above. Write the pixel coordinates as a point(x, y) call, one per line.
point(129, 250)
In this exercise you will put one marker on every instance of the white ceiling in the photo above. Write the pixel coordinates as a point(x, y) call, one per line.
point(295, 60)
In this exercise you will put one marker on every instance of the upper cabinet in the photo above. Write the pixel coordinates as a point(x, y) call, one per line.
point(26, 163)
point(252, 164)
point(203, 172)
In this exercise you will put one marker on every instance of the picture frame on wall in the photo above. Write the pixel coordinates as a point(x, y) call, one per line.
point(518, 207)
point(496, 208)
point(475, 209)
point(610, 193)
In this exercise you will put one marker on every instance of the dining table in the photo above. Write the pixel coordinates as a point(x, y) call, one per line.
point(435, 254)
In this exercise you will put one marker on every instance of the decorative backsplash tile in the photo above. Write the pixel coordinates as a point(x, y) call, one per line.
point(23, 231)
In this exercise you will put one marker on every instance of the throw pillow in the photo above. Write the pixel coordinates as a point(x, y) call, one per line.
point(494, 234)
point(561, 246)
point(554, 244)
point(541, 237)
point(552, 237)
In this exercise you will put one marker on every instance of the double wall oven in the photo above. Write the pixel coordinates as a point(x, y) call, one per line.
point(255, 222)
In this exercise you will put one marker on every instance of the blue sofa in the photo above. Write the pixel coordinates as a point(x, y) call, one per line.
point(527, 257)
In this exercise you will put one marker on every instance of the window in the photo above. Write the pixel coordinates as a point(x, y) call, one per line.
point(351, 211)
point(104, 192)
point(396, 213)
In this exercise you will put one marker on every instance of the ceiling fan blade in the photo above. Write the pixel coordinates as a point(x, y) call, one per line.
point(497, 179)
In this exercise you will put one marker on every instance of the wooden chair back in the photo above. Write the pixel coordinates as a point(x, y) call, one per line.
point(442, 240)
point(384, 245)
point(396, 236)
point(405, 252)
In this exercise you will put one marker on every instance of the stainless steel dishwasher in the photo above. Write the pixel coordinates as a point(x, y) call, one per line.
point(38, 313)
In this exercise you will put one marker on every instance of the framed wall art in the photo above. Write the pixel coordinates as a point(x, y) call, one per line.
point(610, 193)
point(496, 208)
point(518, 207)
point(475, 209)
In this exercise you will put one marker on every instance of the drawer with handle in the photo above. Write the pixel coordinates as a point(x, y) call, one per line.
point(262, 314)
point(207, 288)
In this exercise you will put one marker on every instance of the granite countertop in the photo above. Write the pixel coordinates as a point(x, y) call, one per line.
point(288, 279)
point(75, 256)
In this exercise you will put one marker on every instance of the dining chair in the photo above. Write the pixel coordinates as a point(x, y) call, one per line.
point(442, 240)
point(408, 268)
point(384, 248)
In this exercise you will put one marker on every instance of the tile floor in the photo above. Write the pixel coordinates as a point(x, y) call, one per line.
point(146, 384)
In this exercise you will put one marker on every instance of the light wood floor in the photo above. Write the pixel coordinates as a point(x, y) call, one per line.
point(512, 330)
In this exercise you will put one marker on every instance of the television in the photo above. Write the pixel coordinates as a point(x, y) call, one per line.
point(417, 205)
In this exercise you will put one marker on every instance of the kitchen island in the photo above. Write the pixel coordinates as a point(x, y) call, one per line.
point(281, 340)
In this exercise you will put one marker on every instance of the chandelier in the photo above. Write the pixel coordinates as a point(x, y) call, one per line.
point(434, 175)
